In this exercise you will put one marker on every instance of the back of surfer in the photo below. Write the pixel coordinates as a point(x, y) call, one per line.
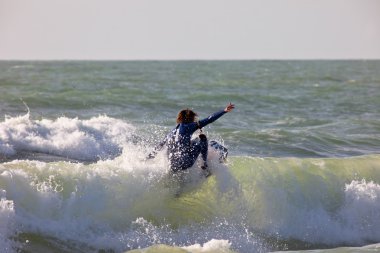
point(182, 151)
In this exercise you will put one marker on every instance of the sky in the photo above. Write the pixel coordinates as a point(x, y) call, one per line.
point(189, 30)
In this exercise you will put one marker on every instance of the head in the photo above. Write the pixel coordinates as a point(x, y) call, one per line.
point(186, 116)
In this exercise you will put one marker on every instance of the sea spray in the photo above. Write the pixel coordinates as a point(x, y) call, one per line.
point(360, 213)
point(213, 246)
point(7, 224)
point(318, 201)
point(85, 140)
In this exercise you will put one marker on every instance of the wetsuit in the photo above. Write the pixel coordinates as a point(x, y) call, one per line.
point(183, 152)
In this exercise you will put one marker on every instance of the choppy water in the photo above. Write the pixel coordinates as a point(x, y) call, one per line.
point(303, 172)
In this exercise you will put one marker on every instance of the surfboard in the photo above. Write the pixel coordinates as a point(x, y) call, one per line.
point(220, 150)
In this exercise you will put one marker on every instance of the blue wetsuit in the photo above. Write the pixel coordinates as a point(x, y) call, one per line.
point(183, 152)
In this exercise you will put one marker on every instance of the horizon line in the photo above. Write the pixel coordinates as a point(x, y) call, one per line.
point(184, 60)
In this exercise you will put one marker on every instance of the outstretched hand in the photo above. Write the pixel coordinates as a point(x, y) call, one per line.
point(229, 107)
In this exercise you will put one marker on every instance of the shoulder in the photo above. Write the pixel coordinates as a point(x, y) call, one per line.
point(188, 126)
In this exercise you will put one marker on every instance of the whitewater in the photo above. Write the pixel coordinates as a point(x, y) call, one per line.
point(303, 171)
point(103, 195)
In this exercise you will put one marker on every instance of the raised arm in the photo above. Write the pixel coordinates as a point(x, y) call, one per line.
point(215, 116)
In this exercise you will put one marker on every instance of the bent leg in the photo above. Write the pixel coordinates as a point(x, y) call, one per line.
point(197, 147)
point(187, 159)
point(203, 146)
point(184, 160)
point(204, 149)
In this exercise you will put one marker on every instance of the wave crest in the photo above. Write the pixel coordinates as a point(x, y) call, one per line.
point(86, 140)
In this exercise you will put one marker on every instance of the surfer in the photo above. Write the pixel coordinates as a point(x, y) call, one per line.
point(182, 151)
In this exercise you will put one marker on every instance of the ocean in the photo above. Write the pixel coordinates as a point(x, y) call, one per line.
point(302, 174)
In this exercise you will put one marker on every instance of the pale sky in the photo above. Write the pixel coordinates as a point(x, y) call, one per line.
point(193, 29)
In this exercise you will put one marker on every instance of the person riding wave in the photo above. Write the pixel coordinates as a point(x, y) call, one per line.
point(182, 151)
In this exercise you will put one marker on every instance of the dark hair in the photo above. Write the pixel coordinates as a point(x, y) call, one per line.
point(186, 116)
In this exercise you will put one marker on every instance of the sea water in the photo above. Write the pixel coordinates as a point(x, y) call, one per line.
point(303, 171)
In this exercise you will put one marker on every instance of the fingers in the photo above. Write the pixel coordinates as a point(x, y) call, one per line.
point(229, 107)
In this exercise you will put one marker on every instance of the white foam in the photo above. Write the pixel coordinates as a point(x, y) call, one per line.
point(361, 212)
point(210, 246)
point(97, 138)
point(89, 204)
point(97, 204)
point(7, 215)
point(355, 219)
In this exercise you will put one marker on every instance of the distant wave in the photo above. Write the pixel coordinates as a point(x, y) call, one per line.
point(85, 140)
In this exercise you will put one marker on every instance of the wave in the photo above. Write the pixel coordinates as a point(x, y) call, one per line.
point(320, 201)
point(86, 140)
point(254, 203)
point(216, 246)
point(213, 246)
point(117, 201)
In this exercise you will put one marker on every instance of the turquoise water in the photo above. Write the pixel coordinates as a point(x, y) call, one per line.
point(303, 168)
